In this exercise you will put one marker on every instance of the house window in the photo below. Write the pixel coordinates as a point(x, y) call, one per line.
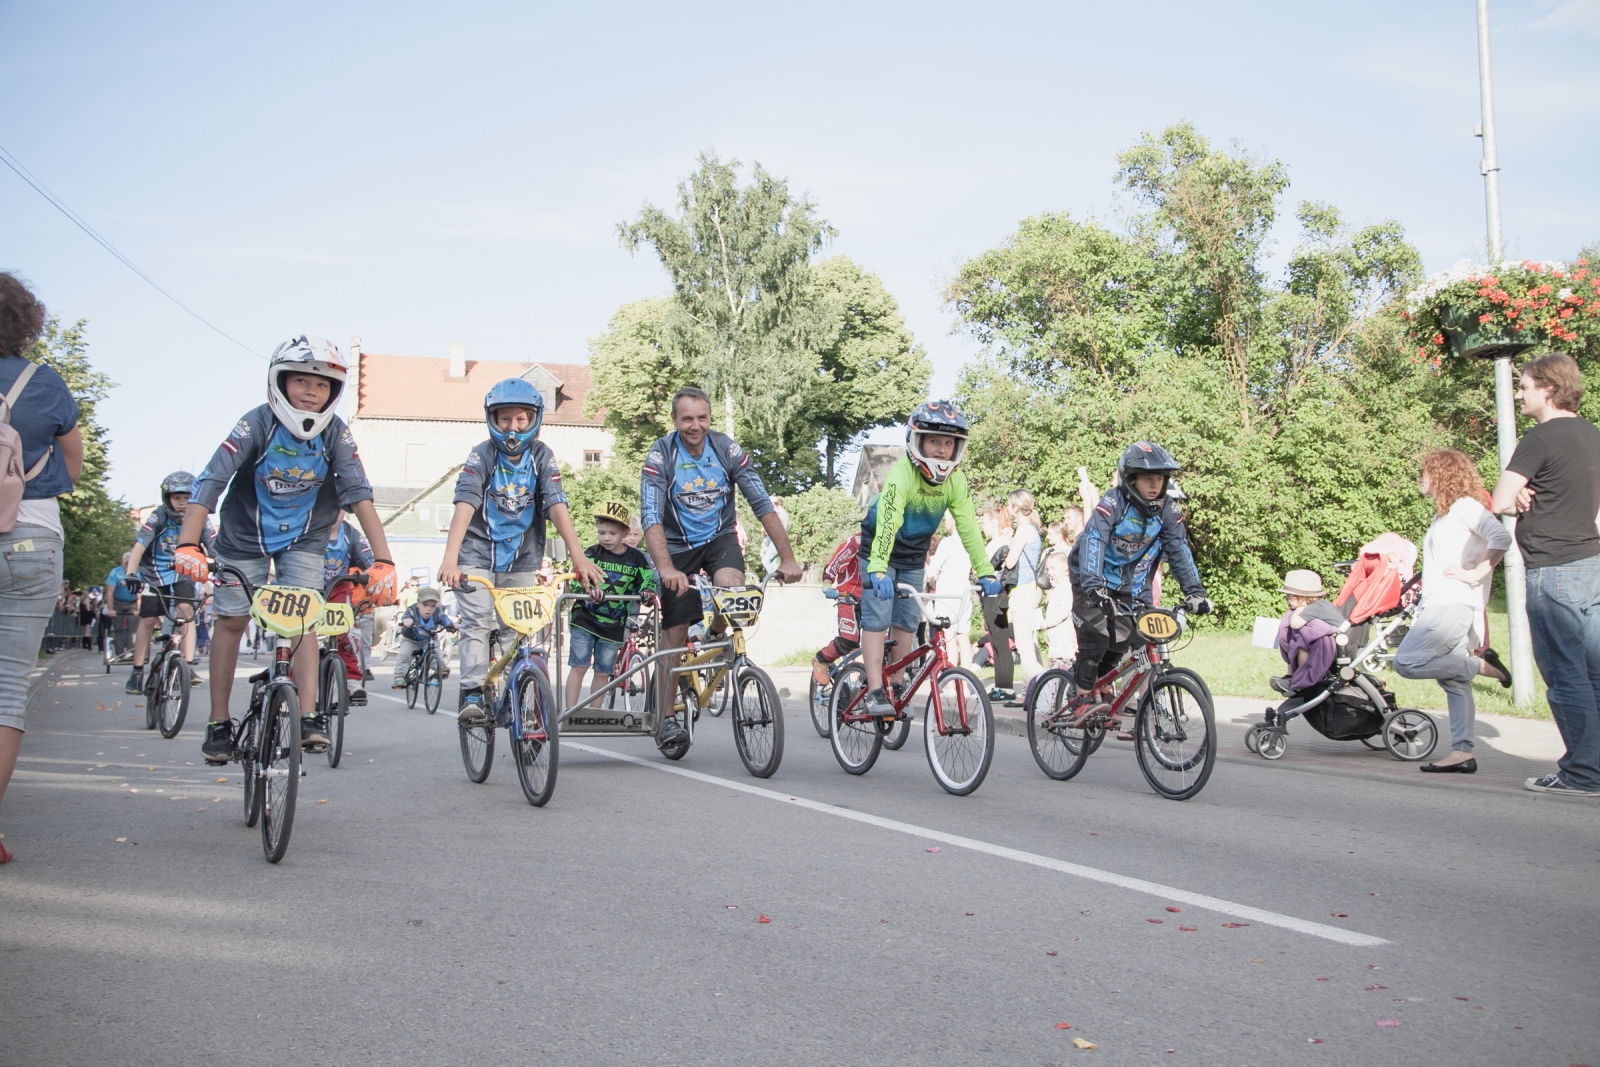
point(445, 515)
point(591, 458)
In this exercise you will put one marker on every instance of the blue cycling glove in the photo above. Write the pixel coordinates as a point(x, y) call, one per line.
point(989, 585)
point(882, 587)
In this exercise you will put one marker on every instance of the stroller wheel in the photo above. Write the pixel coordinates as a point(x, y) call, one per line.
point(1252, 738)
point(1376, 744)
point(1271, 744)
point(1410, 735)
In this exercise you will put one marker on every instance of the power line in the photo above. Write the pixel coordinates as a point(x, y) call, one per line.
point(22, 172)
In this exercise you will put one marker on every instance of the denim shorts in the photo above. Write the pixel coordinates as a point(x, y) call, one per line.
point(293, 566)
point(876, 614)
point(587, 647)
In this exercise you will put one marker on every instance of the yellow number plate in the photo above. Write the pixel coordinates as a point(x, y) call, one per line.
point(526, 610)
point(286, 610)
point(1158, 626)
point(739, 605)
point(335, 619)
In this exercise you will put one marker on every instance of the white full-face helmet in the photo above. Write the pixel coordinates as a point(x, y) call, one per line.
point(305, 355)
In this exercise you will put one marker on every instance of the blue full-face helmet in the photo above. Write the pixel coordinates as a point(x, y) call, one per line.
point(513, 393)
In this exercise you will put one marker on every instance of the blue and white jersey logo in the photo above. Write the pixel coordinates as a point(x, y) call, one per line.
point(507, 507)
point(288, 476)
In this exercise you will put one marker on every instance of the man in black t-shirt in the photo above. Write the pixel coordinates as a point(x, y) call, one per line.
point(1553, 483)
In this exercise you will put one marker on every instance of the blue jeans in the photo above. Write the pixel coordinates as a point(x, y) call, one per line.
point(1564, 618)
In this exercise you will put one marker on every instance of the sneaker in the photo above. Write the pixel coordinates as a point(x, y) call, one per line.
point(471, 711)
point(218, 745)
point(819, 672)
point(194, 676)
point(399, 683)
point(312, 734)
point(358, 698)
point(672, 734)
point(878, 705)
point(135, 683)
point(1553, 783)
point(997, 695)
point(366, 676)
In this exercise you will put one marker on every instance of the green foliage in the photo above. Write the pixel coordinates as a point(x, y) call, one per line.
point(97, 529)
point(819, 519)
point(587, 489)
point(1290, 405)
point(1545, 304)
point(638, 364)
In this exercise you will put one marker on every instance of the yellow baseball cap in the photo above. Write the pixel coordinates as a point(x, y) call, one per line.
point(614, 511)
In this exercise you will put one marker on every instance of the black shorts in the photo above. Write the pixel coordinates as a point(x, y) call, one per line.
point(719, 553)
point(150, 604)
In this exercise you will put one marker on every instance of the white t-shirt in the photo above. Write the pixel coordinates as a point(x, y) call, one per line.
point(951, 567)
point(1463, 536)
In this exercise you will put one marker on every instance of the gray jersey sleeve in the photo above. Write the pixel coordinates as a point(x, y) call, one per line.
point(237, 450)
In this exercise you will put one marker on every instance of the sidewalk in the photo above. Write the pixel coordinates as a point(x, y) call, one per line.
point(1508, 750)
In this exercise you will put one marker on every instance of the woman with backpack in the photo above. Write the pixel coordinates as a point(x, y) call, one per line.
point(41, 455)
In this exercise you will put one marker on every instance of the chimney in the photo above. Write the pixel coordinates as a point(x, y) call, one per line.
point(458, 360)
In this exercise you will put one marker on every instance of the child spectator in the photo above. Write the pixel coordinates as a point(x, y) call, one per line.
point(416, 627)
point(596, 627)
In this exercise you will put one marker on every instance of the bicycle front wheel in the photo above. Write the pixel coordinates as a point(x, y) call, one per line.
point(534, 745)
point(245, 746)
point(432, 681)
point(279, 760)
point(856, 744)
point(334, 689)
point(152, 693)
point(1059, 749)
point(961, 746)
point(757, 721)
point(414, 682)
point(174, 703)
point(1175, 736)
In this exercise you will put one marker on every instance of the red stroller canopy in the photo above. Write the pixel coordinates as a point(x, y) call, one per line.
point(1373, 586)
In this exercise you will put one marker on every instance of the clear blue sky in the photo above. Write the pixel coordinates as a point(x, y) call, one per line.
point(421, 174)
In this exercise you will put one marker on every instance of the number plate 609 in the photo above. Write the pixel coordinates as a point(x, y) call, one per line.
point(286, 610)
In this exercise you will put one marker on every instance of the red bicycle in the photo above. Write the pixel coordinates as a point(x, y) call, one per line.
point(957, 722)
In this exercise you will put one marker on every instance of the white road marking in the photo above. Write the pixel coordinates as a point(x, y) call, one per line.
point(1137, 885)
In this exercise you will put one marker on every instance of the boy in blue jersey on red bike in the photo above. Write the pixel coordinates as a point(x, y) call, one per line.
point(151, 560)
point(1133, 528)
point(288, 466)
point(346, 551)
point(507, 488)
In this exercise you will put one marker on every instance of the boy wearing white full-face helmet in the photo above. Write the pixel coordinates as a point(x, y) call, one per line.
point(288, 467)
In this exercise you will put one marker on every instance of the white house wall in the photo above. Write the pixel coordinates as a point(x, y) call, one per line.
point(411, 453)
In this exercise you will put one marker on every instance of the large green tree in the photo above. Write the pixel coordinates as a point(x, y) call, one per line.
point(97, 528)
point(638, 363)
point(740, 258)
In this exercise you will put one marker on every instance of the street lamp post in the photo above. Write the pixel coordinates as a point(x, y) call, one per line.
point(1504, 406)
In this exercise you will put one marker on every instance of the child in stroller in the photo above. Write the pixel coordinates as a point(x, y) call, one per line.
point(1334, 652)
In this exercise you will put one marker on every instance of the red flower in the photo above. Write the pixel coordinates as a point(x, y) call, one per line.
point(1512, 314)
point(1486, 318)
point(1438, 338)
point(1566, 313)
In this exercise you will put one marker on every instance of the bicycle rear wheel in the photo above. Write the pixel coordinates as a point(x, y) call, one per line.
point(432, 680)
point(152, 690)
point(334, 691)
point(855, 744)
point(534, 737)
point(1175, 736)
point(279, 758)
point(414, 681)
point(174, 704)
point(960, 753)
point(244, 747)
point(1059, 749)
point(757, 721)
point(898, 732)
point(817, 701)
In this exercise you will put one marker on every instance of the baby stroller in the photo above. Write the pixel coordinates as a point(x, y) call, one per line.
point(1352, 703)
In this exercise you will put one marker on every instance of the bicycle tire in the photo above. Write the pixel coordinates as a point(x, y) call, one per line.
point(279, 758)
point(413, 684)
point(757, 721)
point(432, 680)
point(960, 762)
point(1173, 761)
point(1059, 750)
point(244, 747)
point(152, 691)
point(855, 744)
point(175, 697)
point(629, 696)
point(334, 689)
point(536, 748)
point(817, 701)
point(898, 733)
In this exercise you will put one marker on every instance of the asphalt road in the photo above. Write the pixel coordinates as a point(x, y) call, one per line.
point(420, 919)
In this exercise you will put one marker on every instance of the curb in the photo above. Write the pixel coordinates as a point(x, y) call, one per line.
point(47, 671)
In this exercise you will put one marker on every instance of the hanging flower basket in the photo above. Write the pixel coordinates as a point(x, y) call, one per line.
point(1476, 311)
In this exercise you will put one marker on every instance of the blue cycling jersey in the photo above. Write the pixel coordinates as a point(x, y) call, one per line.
point(691, 497)
point(347, 548)
point(159, 536)
point(512, 498)
point(1120, 548)
point(282, 492)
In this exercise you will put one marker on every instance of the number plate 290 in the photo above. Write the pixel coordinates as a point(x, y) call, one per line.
point(738, 603)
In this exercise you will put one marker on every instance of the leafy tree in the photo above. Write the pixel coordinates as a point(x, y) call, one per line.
point(638, 363)
point(739, 259)
point(819, 519)
point(97, 529)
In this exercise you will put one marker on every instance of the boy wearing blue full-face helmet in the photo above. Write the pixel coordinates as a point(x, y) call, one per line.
point(508, 486)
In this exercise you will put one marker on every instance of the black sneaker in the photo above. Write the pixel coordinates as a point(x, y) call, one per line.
point(358, 698)
point(1554, 783)
point(471, 712)
point(672, 734)
point(878, 705)
point(366, 676)
point(135, 684)
point(218, 745)
point(312, 734)
point(998, 695)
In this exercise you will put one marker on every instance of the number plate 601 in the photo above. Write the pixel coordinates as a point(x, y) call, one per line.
point(1158, 626)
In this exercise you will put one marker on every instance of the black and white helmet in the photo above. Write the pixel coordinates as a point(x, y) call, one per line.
point(176, 482)
point(936, 417)
point(305, 355)
point(1142, 457)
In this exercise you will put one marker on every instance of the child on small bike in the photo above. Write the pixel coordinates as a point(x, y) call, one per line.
point(596, 628)
point(1134, 527)
point(288, 466)
point(419, 623)
point(902, 519)
point(507, 488)
point(844, 572)
point(151, 560)
point(347, 551)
